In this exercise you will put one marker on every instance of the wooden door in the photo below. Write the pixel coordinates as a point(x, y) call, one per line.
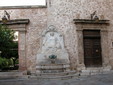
point(92, 49)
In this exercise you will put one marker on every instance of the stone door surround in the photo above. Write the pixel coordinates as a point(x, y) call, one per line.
point(85, 24)
point(20, 25)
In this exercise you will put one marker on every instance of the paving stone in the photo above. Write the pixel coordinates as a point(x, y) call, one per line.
point(103, 79)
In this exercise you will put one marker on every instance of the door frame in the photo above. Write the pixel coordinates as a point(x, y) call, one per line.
point(104, 42)
point(20, 25)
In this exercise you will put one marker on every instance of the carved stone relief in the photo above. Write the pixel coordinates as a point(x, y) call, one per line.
point(52, 49)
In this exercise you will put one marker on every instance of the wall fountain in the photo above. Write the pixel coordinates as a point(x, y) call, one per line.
point(53, 57)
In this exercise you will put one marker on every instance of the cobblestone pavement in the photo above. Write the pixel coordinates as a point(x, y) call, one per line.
point(103, 79)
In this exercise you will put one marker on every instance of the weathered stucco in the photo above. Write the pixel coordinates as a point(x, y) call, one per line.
point(61, 13)
point(38, 22)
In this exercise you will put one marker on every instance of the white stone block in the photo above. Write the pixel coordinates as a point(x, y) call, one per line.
point(95, 71)
point(85, 74)
point(106, 70)
point(85, 71)
point(108, 67)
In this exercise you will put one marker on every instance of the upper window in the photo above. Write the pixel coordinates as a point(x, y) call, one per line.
point(22, 3)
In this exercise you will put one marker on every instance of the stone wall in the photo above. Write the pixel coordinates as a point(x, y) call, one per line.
point(38, 22)
point(61, 13)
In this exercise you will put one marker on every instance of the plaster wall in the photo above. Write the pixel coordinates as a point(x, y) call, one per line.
point(38, 22)
point(61, 14)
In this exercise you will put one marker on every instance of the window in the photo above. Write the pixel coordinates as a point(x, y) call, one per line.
point(22, 3)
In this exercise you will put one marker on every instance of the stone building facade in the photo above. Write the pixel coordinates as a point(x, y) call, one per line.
point(71, 18)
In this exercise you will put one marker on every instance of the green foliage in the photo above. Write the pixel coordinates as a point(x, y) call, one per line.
point(17, 61)
point(5, 63)
point(6, 34)
point(7, 44)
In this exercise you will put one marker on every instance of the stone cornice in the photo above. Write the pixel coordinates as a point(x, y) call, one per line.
point(16, 21)
point(89, 21)
point(23, 7)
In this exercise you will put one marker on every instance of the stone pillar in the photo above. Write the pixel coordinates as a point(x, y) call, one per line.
point(105, 49)
point(80, 50)
point(22, 51)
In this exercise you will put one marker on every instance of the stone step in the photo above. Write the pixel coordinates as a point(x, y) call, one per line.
point(57, 74)
point(52, 71)
point(44, 67)
point(94, 71)
point(52, 68)
point(11, 75)
point(53, 76)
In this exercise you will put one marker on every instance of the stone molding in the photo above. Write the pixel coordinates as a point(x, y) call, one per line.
point(89, 21)
point(23, 7)
point(84, 24)
point(16, 21)
point(21, 26)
